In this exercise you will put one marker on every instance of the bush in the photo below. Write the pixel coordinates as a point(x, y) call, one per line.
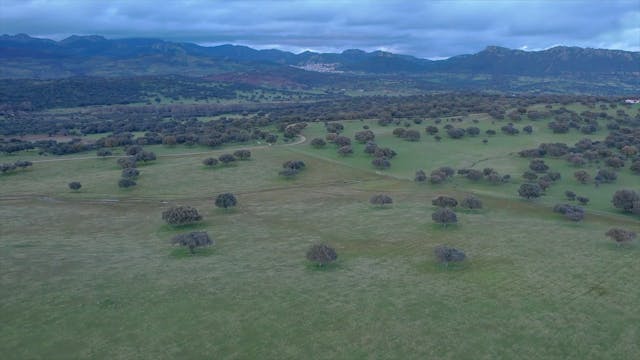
point(226, 200)
point(627, 200)
point(444, 201)
point(420, 176)
point(318, 143)
point(445, 254)
point(529, 190)
point(444, 216)
point(242, 154)
point(130, 173)
point(226, 159)
point(126, 183)
point(471, 202)
point(381, 200)
point(74, 185)
point(381, 163)
point(192, 240)
point(181, 215)
point(321, 254)
point(620, 236)
point(210, 161)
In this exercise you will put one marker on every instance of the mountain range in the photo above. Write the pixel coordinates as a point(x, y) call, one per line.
point(23, 56)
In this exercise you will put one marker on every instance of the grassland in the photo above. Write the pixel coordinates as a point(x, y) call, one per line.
point(92, 275)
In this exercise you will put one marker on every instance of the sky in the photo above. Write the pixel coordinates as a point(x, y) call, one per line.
point(427, 29)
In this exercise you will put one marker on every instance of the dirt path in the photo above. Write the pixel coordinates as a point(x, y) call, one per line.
point(301, 139)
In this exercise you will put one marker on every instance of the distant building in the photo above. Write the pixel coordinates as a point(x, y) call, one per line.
point(632, 101)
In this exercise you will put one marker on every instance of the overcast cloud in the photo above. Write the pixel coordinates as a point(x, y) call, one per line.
point(430, 29)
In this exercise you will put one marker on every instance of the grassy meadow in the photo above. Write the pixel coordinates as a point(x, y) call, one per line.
point(91, 274)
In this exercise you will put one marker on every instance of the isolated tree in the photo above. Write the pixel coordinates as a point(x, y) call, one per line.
point(627, 200)
point(473, 131)
point(294, 164)
point(318, 143)
point(471, 202)
point(444, 201)
point(75, 186)
point(420, 176)
point(381, 200)
point(226, 200)
point(192, 240)
point(242, 154)
point(181, 215)
point(210, 161)
point(130, 173)
point(444, 216)
point(126, 183)
point(321, 254)
point(446, 255)
point(381, 163)
point(620, 236)
point(530, 191)
point(226, 159)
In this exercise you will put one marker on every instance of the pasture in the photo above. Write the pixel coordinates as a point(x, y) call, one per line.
point(91, 274)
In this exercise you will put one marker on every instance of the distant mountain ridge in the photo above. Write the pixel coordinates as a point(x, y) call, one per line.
point(25, 56)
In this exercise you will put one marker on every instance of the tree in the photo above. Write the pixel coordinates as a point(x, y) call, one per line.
point(242, 154)
point(412, 135)
point(582, 176)
point(364, 136)
point(321, 254)
point(431, 130)
point(181, 215)
point(381, 163)
point(444, 201)
point(192, 240)
point(538, 165)
point(342, 141)
point(226, 159)
point(127, 162)
point(606, 176)
point(444, 216)
point(210, 161)
point(445, 254)
point(226, 200)
point(471, 202)
point(144, 156)
point(318, 143)
point(126, 183)
point(420, 176)
point(620, 236)
point(345, 150)
point(582, 200)
point(627, 200)
point(104, 152)
point(381, 200)
point(294, 164)
point(130, 173)
point(570, 195)
point(75, 186)
point(571, 212)
point(530, 191)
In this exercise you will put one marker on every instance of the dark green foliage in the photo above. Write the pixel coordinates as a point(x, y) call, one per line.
point(571, 212)
point(627, 200)
point(321, 254)
point(444, 201)
point(294, 164)
point(210, 161)
point(364, 136)
point(342, 141)
point(74, 185)
point(318, 143)
point(345, 150)
point(582, 200)
point(381, 200)
point(530, 191)
point(570, 195)
point(473, 131)
point(530, 175)
point(226, 200)
point(471, 202)
point(444, 216)
point(181, 215)
point(446, 254)
point(226, 159)
point(538, 166)
point(431, 130)
point(193, 240)
point(605, 176)
point(242, 154)
point(127, 162)
point(582, 176)
point(412, 135)
point(456, 133)
point(421, 176)
point(381, 163)
point(9, 167)
point(130, 173)
point(620, 236)
point(104, 152)
point(126, 183)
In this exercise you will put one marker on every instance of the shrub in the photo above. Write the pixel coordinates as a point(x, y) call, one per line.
point(445, 254)
point(226, 159)
point(130, 173)
point(318, 143)
point(210, 161)
point(471, 202)
point(444, 216)
point(420, 176)
point(181, 215)
point(529, 190)
point(627, 200)
point(74, 185)
point(620, 236)
point(242, 154)
point(126, 183)
point(381, 163)
point(226, 200)
point(321, 254)
point(444, 201)
point(192, 240)
point(381, 200)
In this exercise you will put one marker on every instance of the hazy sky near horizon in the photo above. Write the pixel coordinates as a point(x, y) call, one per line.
point(430, 29)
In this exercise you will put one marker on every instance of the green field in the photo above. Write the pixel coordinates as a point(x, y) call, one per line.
point(92, 274)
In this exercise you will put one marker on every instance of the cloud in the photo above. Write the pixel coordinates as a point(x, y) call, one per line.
point(428, 29)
